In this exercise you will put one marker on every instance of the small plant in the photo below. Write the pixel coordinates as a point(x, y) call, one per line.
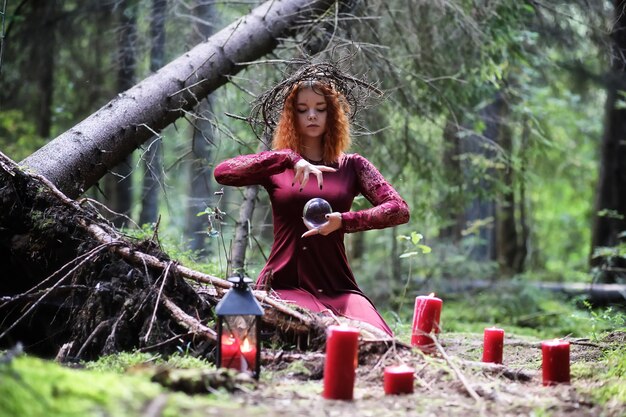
point(602, 320)
point(214, 216)
point(414, 248)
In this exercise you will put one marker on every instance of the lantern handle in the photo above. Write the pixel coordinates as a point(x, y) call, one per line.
point(240, 281)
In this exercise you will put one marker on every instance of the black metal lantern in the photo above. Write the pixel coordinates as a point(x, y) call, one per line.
point(238, 329)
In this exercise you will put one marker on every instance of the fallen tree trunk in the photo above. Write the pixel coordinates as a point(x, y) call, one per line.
point(75, 284)
point(78, 158)
point(596, 293)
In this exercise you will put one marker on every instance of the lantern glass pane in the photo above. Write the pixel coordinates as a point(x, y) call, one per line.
point(239, 344)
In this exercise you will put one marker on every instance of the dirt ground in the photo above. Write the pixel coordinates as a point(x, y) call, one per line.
point(457, 386)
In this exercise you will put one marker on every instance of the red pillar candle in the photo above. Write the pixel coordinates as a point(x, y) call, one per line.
point(398, 380)
point(493, 343)
point(555, 362)
point(425, 320)
point(231, 355)
point(248, 351)
point(342, 343)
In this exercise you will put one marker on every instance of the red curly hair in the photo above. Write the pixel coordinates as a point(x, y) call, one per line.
point(335, 141)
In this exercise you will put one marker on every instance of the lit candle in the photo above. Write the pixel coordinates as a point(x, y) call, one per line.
point(493, 343)
point(425, 320)
point(248, 351)
point(398, 380)
point(342, 344)
point(555, 362)
point(231, 355)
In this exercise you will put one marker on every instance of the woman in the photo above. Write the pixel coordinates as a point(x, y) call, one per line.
point(309, 267)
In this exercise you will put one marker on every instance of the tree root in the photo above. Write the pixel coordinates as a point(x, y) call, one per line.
point(118, 294)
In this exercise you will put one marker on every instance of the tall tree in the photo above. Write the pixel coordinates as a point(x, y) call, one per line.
point(118, 184)
point(153, 156)
point(45, 13)
point(506, 230)
point(610, 203)
point(200, 172)
point(243, 226)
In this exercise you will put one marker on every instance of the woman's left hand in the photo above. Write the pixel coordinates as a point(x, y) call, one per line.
point(334, 223)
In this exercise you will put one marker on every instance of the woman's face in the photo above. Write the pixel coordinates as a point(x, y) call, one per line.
point(311, 112)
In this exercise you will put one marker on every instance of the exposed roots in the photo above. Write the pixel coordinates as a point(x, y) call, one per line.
point(76, 288)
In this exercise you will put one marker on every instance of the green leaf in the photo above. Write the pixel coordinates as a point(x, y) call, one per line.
point(416, 237)
point(425, 249)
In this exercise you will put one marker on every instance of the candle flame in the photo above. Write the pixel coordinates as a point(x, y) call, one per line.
point(228, 340)
point(245, 345)
point(432, 294)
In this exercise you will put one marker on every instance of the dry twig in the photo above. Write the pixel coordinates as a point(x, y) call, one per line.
point(459, 374)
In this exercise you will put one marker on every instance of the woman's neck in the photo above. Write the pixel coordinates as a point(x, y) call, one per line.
point(312, 149)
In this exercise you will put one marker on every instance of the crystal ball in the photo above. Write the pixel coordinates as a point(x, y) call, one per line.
point(315, 211)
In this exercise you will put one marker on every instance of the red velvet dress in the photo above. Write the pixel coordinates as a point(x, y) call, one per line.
point(313, 271)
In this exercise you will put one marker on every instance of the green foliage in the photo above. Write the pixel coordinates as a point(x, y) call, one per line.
point(440, 64)
point(520, 310)
point(18, 138)
point(609, 263)
point(616, 362)
point(604, 319)
point(414, 246)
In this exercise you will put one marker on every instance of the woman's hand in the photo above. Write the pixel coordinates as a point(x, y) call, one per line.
point(334, 223)
point(303, 169)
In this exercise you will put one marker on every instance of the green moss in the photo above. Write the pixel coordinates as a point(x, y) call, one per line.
point(219, 404)
point(583, 370)
point(540, 412)
point(33, 387)
point(188, 362)
point(612, 389)
point(120, 362)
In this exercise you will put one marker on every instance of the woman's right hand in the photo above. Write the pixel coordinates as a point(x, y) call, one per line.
point(303, 169)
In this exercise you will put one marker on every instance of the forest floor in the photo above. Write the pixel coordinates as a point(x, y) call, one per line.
point(291, 384)
point(458, 385)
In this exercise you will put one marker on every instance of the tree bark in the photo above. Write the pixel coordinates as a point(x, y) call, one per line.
point(451, 204)
point(506, 225)
point(153, 158)
point(200, 178)
point(242, 228)
point(78, 158)
point(45, 12)
point(610, 204)
point(118, 184)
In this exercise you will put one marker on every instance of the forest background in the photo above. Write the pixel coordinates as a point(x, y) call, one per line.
point(499, 123)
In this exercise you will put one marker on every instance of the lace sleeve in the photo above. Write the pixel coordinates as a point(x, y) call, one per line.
point(389, 208)
point(255, 168)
